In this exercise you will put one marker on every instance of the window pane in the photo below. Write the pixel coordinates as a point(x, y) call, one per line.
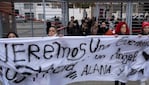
point(28, 5)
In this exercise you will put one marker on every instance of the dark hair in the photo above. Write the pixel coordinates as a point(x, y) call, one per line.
point(12, 33)
point(53, 27)
point(48, 26)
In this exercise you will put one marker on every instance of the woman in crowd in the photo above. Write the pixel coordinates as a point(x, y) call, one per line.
point(145, 31)
point(52, 31)
point(122, 29)
point(73, 27)
point(84, 29)
point(2, 78)
point(104, 29)
point(12, 35)
point(145, 28)
point(95, 28)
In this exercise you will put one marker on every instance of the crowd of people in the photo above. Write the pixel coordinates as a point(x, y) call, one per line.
point(100, 27)
point(92, 26)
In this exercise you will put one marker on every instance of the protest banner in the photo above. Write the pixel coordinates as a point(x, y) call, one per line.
point(63, 60)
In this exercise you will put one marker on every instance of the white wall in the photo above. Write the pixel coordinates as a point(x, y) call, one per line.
point(51, 12)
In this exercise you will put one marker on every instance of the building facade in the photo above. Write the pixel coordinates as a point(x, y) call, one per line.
point(35, 10)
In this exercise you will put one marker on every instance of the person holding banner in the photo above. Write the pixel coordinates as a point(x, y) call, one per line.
point(3, 80)
point(145, 31)
point(121, 29)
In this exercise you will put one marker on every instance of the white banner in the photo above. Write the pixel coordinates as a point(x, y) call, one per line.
point(59, 61)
